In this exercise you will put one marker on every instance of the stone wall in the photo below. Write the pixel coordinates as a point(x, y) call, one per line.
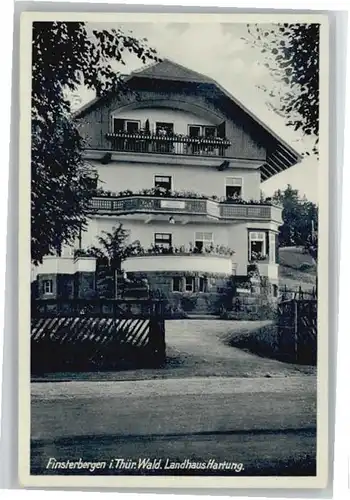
point(65, 286)
point(232, 297)
point(184, 303)
point(252, 300)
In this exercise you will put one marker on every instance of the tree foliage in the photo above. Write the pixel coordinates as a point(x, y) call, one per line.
point(300, 221)
point(65, 56)
point(291, 53)
point(112, 249)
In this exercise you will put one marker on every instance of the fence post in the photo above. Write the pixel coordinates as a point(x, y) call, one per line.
point(296, 329)
point(157, 333)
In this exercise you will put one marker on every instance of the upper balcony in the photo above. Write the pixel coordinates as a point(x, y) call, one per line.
point(168, 143)
point(173, 203)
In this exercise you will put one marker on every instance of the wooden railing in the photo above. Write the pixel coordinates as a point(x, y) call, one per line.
point(174, 144)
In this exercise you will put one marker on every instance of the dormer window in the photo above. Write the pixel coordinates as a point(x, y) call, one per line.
point(122, 125)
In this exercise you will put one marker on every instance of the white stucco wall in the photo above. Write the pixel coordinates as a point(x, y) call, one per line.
point(196, 263)
point(233, 236)
point(64, 265)
point(182, 234)
point(270, 270)
point(204, 180)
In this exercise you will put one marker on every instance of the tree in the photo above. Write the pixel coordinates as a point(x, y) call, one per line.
point(300, 220)
point(112, 250)
point(291, 53)
point(67, 55)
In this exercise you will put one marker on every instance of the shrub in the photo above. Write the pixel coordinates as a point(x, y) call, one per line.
point(188, 302)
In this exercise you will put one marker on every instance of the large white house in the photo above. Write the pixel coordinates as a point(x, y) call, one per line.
point(180, 162)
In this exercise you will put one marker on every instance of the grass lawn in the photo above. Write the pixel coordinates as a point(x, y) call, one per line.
point(296, 269)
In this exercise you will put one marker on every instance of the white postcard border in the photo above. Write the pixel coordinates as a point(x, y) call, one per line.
point(25, 478)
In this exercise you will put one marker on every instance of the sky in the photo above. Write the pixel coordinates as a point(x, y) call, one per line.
point(221, 52)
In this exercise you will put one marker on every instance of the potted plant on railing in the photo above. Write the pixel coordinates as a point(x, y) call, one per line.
point(258, 256)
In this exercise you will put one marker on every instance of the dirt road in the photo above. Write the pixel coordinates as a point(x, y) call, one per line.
point(266, 424)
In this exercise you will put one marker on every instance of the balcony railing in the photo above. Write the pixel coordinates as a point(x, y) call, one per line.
point(186, 206)
point(171, 144)
point(229, 211)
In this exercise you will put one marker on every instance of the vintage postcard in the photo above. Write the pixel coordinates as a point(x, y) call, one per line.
point(174, 270)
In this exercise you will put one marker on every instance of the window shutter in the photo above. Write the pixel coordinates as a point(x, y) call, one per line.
point(222, 130)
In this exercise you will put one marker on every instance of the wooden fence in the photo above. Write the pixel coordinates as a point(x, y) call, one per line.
point(86, 335)
point(297, 294)
point(297, 325)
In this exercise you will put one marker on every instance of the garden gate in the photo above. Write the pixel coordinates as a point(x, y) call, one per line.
point(104, 334)
point(297, 324)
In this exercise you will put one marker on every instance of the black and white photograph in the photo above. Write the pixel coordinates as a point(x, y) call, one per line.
point(174, 166)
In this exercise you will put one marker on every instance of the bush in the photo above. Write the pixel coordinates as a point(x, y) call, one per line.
point(264, 341)
point(188, 302)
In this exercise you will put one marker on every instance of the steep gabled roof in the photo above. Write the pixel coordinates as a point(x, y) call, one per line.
point(281, 157)
point(168, 70)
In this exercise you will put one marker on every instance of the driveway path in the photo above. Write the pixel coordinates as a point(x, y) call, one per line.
point(200, 348)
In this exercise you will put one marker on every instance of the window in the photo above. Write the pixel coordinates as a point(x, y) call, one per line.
point(163, 182)
point(276, 249)
point(118, 125)
point(258, 243)
point(92, 182)
point(207, 131)
point(163, 240)
point(275, 290)
point(132, 126)
point(272, 246)
point(203, 284)
point(203, 240)
point(233, 187)
point(122, 125)
point(189, 284)
point(47, 286)
point(163, 128)
point(194, 130)
point(177, 284)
